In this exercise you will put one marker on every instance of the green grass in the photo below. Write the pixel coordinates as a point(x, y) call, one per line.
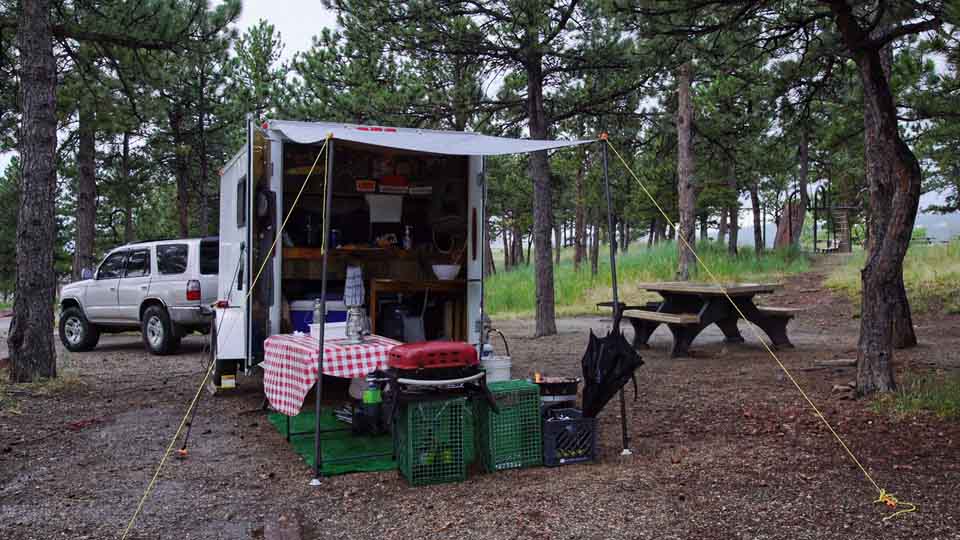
point(937, 394)
point(511, 294)
point(931, 275)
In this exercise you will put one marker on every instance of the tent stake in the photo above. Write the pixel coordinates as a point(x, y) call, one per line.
point(328, 197)
point(611, 233)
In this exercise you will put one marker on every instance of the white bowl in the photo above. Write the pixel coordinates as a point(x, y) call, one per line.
point(446, 272)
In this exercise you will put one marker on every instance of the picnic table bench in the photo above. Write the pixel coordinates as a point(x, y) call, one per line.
point(688, 308)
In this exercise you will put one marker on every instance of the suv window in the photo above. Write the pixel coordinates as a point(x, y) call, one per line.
point(209, 257)
point(172, 258)
point(138, 264)
point(112, 266)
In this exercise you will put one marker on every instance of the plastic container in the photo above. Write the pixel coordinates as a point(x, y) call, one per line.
point(496, 367)
point(335, 330)
point(430, 438)
point(301, 313)
point(510, 439)
point(568, 438)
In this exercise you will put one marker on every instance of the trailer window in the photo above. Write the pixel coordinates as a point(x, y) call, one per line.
point(242, 202)
point(209, 257)
point(172, 258)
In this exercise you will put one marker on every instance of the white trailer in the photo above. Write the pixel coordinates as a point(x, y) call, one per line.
point(257, 192)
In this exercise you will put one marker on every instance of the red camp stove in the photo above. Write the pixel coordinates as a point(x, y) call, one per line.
point(434, 368)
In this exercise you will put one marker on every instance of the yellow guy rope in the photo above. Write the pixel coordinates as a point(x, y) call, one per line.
point(206, 375)
point(884, 497)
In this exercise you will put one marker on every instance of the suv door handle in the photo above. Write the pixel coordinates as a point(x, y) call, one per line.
point(113, 289)
point(143, 287)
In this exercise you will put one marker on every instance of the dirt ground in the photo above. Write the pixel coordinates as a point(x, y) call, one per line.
point(723, 447)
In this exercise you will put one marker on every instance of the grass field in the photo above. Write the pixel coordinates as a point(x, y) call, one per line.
point(938, 394)
point(931, 274)
point(511, 294)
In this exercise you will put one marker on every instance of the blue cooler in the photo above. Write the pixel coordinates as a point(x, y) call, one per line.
point(301, 313)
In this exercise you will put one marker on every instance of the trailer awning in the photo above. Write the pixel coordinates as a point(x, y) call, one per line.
point(458, 143)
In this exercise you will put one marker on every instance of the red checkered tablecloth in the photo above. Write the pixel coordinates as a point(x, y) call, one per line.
point(290, 365)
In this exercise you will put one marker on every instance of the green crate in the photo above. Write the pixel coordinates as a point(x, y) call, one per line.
point(511, 439)
point(430, 440)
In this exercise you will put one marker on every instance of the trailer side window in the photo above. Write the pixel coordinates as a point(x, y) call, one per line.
point(242, 202)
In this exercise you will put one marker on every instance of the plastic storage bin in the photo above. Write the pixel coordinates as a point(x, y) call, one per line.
point(301, 313)
point(568, 437)
point(430, 438)
point(511, 438)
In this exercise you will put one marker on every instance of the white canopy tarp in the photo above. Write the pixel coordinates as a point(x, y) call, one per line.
point(457, 143)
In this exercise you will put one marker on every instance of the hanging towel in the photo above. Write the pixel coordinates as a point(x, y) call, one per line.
point(353, 288)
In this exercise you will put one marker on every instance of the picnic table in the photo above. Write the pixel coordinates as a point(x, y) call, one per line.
point(687, 308)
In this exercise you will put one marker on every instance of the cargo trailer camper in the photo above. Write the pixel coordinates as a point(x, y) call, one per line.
point(406, 206)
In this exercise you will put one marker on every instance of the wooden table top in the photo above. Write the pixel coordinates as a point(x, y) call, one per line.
point(686, 287)
point(397, 285)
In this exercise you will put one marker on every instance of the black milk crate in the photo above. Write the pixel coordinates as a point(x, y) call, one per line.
point(568, 437)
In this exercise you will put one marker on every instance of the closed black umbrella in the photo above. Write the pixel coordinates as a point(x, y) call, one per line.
point(608, 363)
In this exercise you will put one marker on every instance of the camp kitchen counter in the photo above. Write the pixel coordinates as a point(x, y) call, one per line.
point(290, 365)
point(687, 308)
point(455, 324)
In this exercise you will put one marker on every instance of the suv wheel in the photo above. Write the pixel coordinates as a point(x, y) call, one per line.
point(76, 332)
point(158, 331)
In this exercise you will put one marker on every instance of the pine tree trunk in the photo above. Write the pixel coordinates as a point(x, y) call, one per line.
point(181, 169)
point(86, 187)
point(129, 233)
point(790, 226)
point(650, 233)
point(579, 217)
point(734, 211)
point(703, 228)
point(489, 264)
point(546, 324)
point(516, 252)
point(893, 178)
point(685, 171)
point(505, 233)
point(757, 222)
point(204, 180)
point(722, 227)
point(626, 236)
point(30, 343)
point(558, 239)
point(595, 244)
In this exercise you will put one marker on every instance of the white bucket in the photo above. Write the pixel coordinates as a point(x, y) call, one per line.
point(497, 368)
point(331, 330)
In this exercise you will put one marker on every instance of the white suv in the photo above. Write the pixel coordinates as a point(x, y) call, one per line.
point(164, 288)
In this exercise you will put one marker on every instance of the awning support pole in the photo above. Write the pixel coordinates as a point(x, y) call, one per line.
point(328, 198)
point(611, 233)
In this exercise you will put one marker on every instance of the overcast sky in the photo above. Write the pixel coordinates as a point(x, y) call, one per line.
point(296, 20)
